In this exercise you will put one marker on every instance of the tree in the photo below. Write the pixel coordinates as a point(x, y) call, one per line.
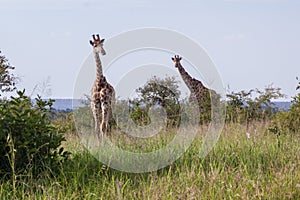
point(157, 91)
point(7, 80)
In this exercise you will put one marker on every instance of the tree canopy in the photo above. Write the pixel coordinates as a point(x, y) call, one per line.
point(157, 91)
point(7, 79)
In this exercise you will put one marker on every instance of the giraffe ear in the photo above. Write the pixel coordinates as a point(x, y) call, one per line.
point(173, 59)
point(180, 58)
point(91, 42)
point(101, 41)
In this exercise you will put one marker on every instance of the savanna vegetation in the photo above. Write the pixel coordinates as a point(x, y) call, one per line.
point(256, 157)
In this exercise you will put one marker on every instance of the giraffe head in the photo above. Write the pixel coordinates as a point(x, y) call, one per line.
point(176, 60)
point(98, 44)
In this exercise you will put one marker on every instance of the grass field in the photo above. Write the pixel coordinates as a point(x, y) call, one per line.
point(256, 165)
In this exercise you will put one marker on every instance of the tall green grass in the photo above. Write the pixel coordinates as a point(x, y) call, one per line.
point(256, 165)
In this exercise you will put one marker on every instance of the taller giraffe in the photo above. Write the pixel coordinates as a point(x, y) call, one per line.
point(199, 93)
point(103, 94)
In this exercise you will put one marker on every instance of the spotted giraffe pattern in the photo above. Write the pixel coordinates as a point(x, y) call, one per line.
point(102, 94)
point(198, 92)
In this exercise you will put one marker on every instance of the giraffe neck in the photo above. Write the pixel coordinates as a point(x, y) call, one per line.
point(186, 77)
point(99, 71)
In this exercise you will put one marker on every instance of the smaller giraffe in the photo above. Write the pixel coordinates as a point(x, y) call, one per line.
point(200, 94)
point(103, 94)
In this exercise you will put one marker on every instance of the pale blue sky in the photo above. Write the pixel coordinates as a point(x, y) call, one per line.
point(252, 42)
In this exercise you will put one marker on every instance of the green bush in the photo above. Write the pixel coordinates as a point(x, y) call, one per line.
point(157, 91)
point(64, 122)
point(28, 140)
point(253, 105)
point(139, 115)
point(288, 122)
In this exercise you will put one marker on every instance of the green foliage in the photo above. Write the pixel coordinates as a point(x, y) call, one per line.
point(208, 98)
point(7, 80)
point(156, 91)
point(165, 92)
point(28, 141)
point(242, 107)
point(63, 122)
point(139, 115)
point(288, 122)
point(235, 106)
point(237, 168)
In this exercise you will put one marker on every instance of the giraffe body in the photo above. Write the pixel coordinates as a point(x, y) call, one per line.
point(102, 94)
point(199, 94)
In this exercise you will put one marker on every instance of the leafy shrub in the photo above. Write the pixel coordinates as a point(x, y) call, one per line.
point(63, 121)
point(157, 91)
point(288, 122)
point(242, 107)
point(165, 92)
point(28, 141)
point(139, 115)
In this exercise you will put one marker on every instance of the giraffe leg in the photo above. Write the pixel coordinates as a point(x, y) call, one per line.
point(96, 109)
point(99, 130)
point(105, 118)
point(112, 122)
point(96, 121)
point(108, 117)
